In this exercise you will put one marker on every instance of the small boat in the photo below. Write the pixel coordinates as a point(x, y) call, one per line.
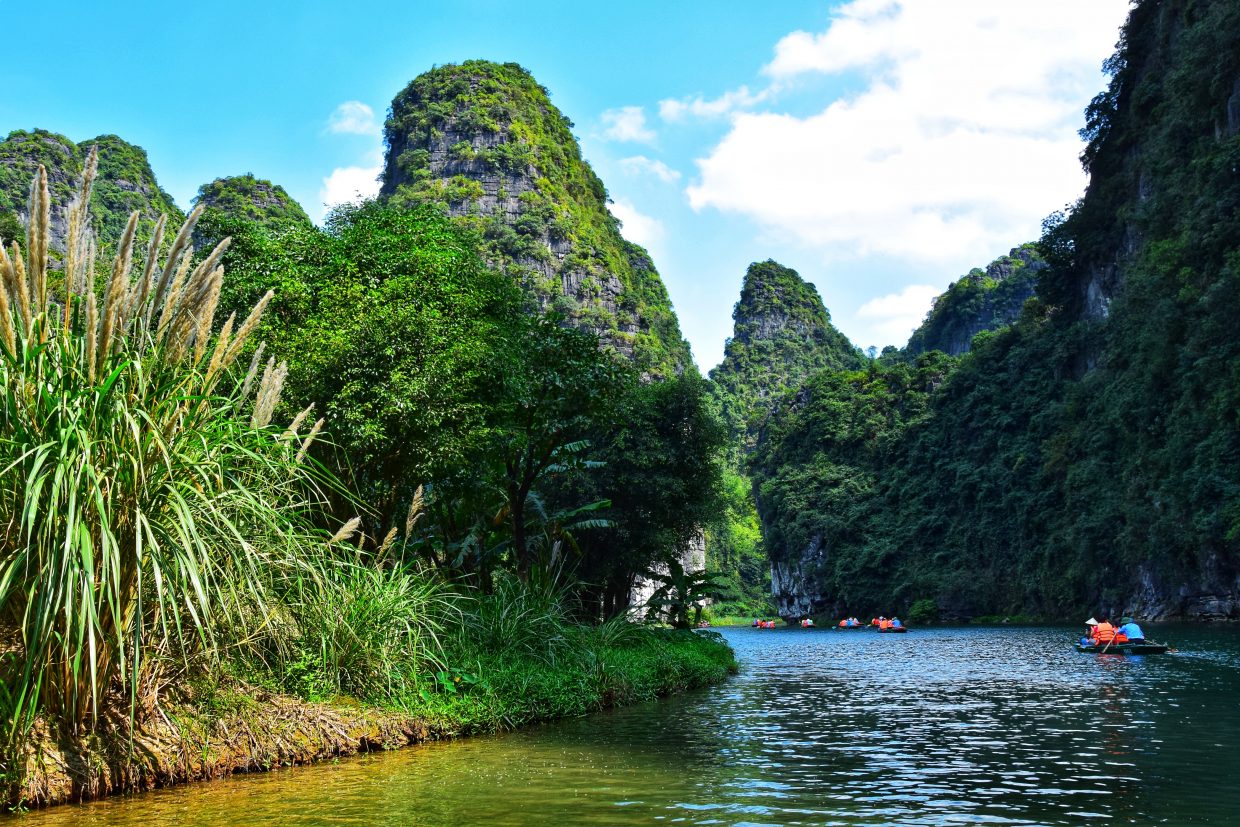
point(1123, 648)
point(885, 629)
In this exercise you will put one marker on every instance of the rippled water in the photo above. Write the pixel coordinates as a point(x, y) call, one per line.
point(936, 727)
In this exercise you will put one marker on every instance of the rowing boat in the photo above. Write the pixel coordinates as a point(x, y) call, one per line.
point(1123, 648)
point(883, 630)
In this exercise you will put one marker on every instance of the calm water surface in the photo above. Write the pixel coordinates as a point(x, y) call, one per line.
point(936, 727)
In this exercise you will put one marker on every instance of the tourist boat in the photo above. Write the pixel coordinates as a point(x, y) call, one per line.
point(1123, 648)
point(884, 629)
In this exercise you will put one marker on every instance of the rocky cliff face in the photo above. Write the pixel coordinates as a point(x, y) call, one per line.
point(244, 198)
point(981, 300)
point(251, 199)
point(125, 182)
point(782, 334)
point(482, 141)
point(1082, 458)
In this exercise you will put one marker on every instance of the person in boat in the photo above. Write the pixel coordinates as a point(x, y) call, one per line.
point(1090, 625)
point(1131, 631)
point(896, 624)
point(1104, 632)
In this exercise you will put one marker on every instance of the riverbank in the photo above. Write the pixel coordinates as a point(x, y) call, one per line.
point(205, 730)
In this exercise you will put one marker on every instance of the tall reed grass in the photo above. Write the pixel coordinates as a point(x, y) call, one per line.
point(145, 497)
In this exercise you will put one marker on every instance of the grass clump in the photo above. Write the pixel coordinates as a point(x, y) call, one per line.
point(151, 511)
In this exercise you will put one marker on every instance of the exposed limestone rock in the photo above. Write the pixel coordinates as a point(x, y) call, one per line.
point(981, 300)
point(483, 141)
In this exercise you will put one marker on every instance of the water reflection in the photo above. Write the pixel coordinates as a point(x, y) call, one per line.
point(938, 727)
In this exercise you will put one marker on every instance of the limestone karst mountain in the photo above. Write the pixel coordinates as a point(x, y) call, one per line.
point(483, 141)
point(982, 299)
point(125, 183)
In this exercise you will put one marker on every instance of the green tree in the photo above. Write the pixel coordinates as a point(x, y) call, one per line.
point(562, 387)
point(397, 333)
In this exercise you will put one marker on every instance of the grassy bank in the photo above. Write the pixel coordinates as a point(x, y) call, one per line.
point(216, 724)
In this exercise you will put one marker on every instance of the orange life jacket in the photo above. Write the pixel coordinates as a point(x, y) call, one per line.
point(1104, 633)
point(884, 624)
point(1120, 637)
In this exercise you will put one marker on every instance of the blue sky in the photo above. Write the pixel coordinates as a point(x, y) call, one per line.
point(880, 147)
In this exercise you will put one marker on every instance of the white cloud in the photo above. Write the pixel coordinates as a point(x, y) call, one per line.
point(353, 118)
point(963, 137)
point(892, 318)
point(627, 123)
point(699, 107)
point(638, 227)
point(348, 184)
point(641, 165)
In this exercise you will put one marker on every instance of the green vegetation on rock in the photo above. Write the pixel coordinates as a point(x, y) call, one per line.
point(125, 183)
point(980, 300)
point(484, 143)
point(1086, 457)
point(782, 335)
point(252, 199)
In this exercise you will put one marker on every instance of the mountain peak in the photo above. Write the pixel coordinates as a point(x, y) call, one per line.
point(483, 142)
point(782, 334)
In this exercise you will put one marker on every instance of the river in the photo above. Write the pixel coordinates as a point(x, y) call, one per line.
point(941, 726)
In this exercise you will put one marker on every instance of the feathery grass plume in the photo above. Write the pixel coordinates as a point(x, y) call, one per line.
point(22, 287)
point(252, 373)
point(142, 288)
point(415, 512)
point(297, 420)
point(206, 312)
point(247, 327)
point(388, 541)
point(135, 525)
point(268, 395)
point(91, 334)
point(180, 245)
point(38, 238)
point(308, 441)
point(7, 334)
point(172, 297)
point(114, 295)
point(180, 315)
point(80, 239)
point(221, 347)
point(346, 531)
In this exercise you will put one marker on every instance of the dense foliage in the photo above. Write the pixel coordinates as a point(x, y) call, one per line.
point(163, 530)
point(782, 334)
point(532, 447)
point(151, 506)
point(125, 183)
point(483, 141)
point(980, 300)
point(1085, 458)
point(246, 198)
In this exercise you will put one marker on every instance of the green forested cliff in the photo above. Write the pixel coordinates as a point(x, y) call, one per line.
point(252, 199)
point(982, 299)
point(125, 183)
point(782, 334)
point(1087, 457)
point(483, 142)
